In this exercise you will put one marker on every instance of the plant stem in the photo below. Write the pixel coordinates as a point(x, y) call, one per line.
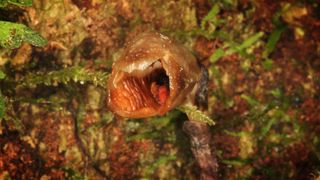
point(200, 145)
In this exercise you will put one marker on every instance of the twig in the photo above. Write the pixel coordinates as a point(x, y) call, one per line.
point(199, 133)
point(200, 145)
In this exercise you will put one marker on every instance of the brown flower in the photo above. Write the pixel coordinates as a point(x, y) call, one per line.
point(153, 75)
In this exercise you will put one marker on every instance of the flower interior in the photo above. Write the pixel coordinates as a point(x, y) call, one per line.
point(142, 90)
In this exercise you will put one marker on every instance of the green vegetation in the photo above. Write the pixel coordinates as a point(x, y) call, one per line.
point(4, 3)
point(195, 114)
point(12, 35)
point(64, 76)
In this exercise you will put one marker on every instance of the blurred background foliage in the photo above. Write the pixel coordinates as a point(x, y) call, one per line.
point(263, 57)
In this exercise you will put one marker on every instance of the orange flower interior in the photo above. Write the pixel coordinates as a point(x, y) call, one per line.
point(140, 93)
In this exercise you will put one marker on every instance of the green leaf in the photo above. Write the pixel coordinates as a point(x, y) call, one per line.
point(21, 2)
point(265, 129)
point(195, 114)
point(235, 47)
point(34, 38)
point(2, 75)
point(216, 55)
point(247, 43)
point(267, 64)
point(236, 134)
point(273, 39)
point(4, 3)
point(235, 162)
point(277, 93)
point(13, 34)
point(2, 106)
point(250, 100)
point(210, 16)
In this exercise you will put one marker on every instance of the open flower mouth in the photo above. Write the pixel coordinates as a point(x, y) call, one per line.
point(153, 75)
point(141, 91)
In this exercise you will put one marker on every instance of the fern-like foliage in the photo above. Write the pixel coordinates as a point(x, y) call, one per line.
point(4, 3)
point(13, 34)
point(65, 76)
point(194, 114)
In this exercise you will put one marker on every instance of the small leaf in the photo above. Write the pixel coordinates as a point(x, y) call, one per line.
point(2, 75)
point(247, 43)
point(235, 47)
point(267, 64)
point(210, 16)
point(267, 126)
point(273, 39)
point(236, 162)
point(236, 134)
point(276, 93)
point(4, 3)
point(21, 2)
point(251, 40)
point(250, 100)
point(216, 55)
point(34, 38)
point(195, 114)
point(13, 34)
